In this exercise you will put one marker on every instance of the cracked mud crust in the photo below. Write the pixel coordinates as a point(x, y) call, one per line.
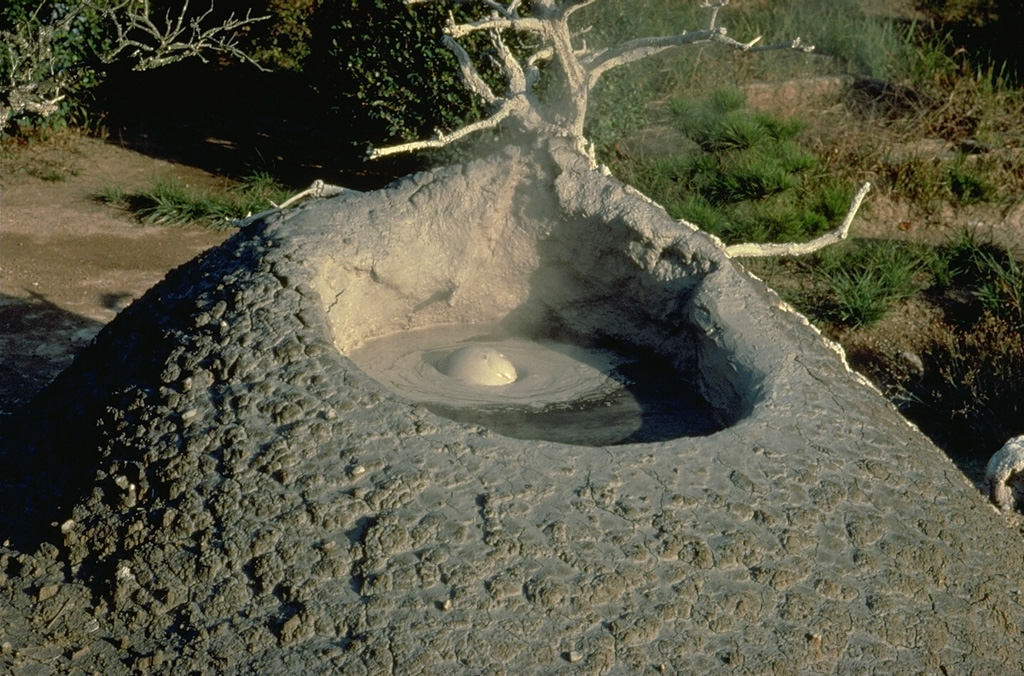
point(212, 487)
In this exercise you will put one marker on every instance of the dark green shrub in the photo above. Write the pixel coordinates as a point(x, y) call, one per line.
point(54, 50)
point(283, 41)
point(381, 67)
point(79, 34)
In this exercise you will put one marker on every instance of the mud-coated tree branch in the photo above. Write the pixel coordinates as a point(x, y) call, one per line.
point(600, 62)
point(318, 190)
point(755, 250)
point(569, 8)
point(579, 69)
point(505, 110)
point(528, 24)
point(470, 77)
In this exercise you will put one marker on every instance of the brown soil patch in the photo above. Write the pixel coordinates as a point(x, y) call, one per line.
point(68, 263)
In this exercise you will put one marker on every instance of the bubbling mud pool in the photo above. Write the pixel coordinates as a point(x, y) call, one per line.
point(537, 389)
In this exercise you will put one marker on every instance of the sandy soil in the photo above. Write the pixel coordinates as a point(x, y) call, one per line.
point(68, 263)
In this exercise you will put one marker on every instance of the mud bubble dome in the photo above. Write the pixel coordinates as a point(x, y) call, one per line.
point(530, 388)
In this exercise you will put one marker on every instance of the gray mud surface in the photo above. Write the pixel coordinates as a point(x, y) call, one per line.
point(214, 488)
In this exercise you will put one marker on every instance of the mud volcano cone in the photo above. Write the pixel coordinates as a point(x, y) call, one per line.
point(215, 487)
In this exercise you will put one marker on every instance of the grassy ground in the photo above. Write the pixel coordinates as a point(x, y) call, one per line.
point(174, 203)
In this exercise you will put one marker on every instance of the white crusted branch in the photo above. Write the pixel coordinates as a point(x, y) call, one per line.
point(601, 62)
point(1004, 475)
point(509, 10)
point(317, 190)
point(579, 69)
point(533, 70)
point(528, 24)
point(152, 45)
point(796, 44)
point(714, 7)
point(513, 71)
point(754, 250)
point(506, 109)
point(571, 7)
point(470, 77)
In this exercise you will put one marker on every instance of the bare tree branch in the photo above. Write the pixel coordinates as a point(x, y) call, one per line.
point(152, 46)
point(36, 82)
point(507, 108)
point(572, 6)
point(470, 77)
point(318, 190)
point(795, 44)
point(714, 7)
point(600, 62)
point(579, 69)
point(754, 250)
point(533, 70)
point(513, 71)
point(528, 24)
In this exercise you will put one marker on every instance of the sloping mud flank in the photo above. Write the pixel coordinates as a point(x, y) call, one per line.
point(215, 487)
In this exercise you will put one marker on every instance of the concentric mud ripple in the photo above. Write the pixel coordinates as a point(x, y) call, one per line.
point(562, 392)
point(548, 373)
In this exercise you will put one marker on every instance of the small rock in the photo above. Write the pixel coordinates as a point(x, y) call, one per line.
point(46, 592)
point(1004, 475)
point(912, 362)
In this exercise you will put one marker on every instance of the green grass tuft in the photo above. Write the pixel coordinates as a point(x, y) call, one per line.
point(993, 276)
point(967, 185)
point(174, 203)
point(865, 279)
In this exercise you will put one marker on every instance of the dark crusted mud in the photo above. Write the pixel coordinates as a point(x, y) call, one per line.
point(213, 487)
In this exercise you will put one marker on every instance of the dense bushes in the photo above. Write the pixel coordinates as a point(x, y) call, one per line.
point(377, 65)
point(381, 67)
point(49, 48)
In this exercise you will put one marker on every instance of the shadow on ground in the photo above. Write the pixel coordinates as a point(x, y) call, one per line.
point(237, 121)
point(37, 342)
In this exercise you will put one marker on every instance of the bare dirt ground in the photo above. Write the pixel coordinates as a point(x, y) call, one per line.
point(68, 263)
